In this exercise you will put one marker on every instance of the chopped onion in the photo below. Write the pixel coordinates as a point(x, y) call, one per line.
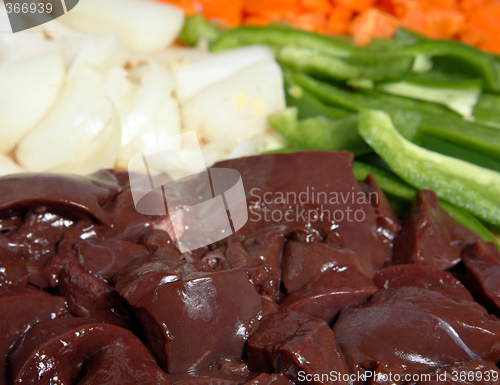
point(237, 107)
point(143, 25)
point(40, 39)
point(163, 125)
point(178, 57)
point(201, 74)
point(218, 150)
point(71, 129)
point(151, 115)
point(100, 54)
point(29, 88)
point(100, 153)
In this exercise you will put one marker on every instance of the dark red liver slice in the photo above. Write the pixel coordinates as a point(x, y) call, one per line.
point(106, 257)
point(87, 295)
point(482, 264)
point(13, 269)
point(269, 379)
point(329, 293)
point(467, 373)
point(125, 362)
point(205, 317)
point(302, 262)
point(425, 277)
point(68, 195)
point(144, 274)
point(387, 221)
point(36, 240)
point(430, 236)
point(55, 352)
point(289, 342)
point(21, 307)
point(320, 190)
point(415, 330)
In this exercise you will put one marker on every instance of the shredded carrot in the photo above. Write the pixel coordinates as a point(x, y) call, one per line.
point(474, 22)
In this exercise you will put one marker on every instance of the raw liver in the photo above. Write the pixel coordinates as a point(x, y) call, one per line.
point(387, 221)
point(55, 351)
point(204, 317)
point(414, 330)
point(21, 307)
point(327, 294)
point(288, 342)
point(422, 276)
point(13, 269)
point(304, 173)
point(482, 264)
point(430, 236)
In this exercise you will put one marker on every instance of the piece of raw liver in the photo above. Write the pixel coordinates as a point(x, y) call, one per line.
point(204, 317)
point(87, 295)
point(320, 190)
point(412, 330)
point(303, 262)
point(13, 268)
point(288, 342)
point(106, 257)
point(69, 195)
point(125, 362)
point(327, 294)
point(387, 220)
point(54, 352)
point(482, 272)
point(21, 307)
point(425, 277)
point(430, 236)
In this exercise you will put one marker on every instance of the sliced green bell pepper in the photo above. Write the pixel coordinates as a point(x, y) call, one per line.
point(473, 188)
point(370, 66)
point(319, 133)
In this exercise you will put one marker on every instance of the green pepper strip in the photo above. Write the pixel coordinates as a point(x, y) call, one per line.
point(487, 110)
point(281, 36)
point(309, 106)
point(484, 63)
point(320, 132)
point(450, 149)
point(395, 187)
point(473, 188)
point(412, 117)
point(196, 27)
point(370, 66)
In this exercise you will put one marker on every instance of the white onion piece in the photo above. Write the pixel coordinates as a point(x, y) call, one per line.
point(100, 54)
point(40, 39)
point(204, 73)
point(248, 147)
point(178, 57)
point(152, 112)
point(143, 25)
point(218, 150)
point(81, 113)
point(237, 107)
point(8, 166)
point(28, 89)
point(100, 153)
point(164, 124)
